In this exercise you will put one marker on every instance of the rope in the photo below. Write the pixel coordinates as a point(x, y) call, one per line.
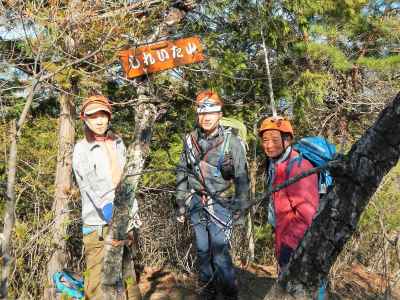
point(271, 92)
point(295, 179)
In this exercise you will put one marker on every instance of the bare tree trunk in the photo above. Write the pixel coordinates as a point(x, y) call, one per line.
point(250, 225)
point(9, 216)
point(270, 90)
point(356, 180)
point(145, 116)
point(63, 183)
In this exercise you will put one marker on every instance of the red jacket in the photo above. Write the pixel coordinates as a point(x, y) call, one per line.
point(295, 205)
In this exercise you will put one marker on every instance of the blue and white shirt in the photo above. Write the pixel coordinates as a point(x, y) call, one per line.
point(92, 170)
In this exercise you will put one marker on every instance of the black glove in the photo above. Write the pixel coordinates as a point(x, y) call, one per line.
point(227, 169)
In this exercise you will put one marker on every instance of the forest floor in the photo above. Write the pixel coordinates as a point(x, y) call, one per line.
point(256, 280)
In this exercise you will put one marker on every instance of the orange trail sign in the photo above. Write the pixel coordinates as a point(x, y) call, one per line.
point(161, 56)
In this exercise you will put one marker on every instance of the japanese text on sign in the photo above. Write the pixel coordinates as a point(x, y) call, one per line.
point(161, 56)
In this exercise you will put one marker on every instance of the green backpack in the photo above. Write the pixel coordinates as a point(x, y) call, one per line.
point(231, 126)
point(236, 127)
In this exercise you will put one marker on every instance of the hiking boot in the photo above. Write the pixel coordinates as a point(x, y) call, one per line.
point(233, 295)
point(208, 291)
point(206, 294)
point(230, 297)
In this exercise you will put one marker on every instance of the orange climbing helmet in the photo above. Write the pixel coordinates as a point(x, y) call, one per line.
point(208, 95)
point(276, 123)
point(94, 104)
point(208, 101)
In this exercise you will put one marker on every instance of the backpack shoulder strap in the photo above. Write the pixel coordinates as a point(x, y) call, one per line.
point(224, 148)
point(291, 163)
point(192, 148)
point(227, 141)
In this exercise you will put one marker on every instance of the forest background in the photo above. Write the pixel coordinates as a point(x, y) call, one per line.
point(334, 65)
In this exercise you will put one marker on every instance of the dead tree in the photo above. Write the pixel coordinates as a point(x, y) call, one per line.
point(357, 177)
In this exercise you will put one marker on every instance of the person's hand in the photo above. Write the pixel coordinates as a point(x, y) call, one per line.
point(181, 214)
point(239, 208)
point(132, 239)
point(239, 219)
point(131, 235)
point(237, 215)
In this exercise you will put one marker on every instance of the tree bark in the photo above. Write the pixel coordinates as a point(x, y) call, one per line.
point(250, 224)
point(356, 180)
point(9, 216)
point(145, 116)
point(63, 183)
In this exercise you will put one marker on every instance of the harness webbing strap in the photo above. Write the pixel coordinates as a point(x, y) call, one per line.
point(196, 160)
point(194, 142)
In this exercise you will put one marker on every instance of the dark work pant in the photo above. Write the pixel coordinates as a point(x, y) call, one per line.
point(212, 241)
point(284, 256)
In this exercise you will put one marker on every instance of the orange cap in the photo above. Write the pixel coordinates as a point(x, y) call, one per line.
point(94, 104)
point(276, 123)
point(208, 95)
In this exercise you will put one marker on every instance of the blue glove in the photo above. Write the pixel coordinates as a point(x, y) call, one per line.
point(107, 212)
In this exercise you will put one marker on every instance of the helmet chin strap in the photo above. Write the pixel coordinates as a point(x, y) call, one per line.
point(283, 142)
point(284, 154)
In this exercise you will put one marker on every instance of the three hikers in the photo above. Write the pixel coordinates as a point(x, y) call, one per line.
point(212, 161)
point(98, 162)
point(212, 189)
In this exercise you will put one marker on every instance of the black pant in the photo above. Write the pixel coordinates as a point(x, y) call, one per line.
point(284, 255)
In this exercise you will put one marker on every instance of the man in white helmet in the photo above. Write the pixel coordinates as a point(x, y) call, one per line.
point(213, 160)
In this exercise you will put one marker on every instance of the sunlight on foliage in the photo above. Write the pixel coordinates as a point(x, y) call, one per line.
point(385, 64)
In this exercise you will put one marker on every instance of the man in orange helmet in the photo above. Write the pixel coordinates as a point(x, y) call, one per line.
point(212, 161)
point(98, 161)
point(290, 209)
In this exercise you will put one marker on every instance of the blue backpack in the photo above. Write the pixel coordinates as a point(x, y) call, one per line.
point(318, 151)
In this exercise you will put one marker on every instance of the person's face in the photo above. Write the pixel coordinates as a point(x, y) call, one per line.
point(209, 121)
point(271, 142)
point(98, 122)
